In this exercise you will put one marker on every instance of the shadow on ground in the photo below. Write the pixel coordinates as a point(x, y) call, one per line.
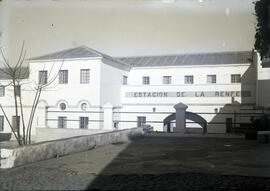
point(177, 163)
point(154, 162)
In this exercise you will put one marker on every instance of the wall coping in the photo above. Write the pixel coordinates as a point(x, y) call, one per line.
point(49, 149)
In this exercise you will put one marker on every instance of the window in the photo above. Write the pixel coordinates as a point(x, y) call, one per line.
point(1, 123)
point(141, 121)
point(15, 122)
point(85, 76)
point(62, 122)
point(167, 79)
point(63, 76)
point(115, 125)
point(18, 90)
point(146, 80)
point(2, 91)
point(63, 106)
point(235, 78)
point(125, 79)
point(84, 106)
point(188, 79)
point(211, 79)
point(42, 79)
point(84, 122)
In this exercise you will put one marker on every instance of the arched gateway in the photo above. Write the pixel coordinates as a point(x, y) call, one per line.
point(181, 116)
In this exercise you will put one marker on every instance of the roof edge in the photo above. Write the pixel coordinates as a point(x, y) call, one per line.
point(65, 59)
point(199, 53)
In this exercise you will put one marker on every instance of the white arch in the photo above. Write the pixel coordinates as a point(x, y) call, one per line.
point(83, 101)
point(43, 102)
point(61, 101)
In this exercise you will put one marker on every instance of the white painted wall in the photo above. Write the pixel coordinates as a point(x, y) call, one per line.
point(263, 82)
point(196, 104)
point(223, 73)
point(111, 80)
point(73, 93)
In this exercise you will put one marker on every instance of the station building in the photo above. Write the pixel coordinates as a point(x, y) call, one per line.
point(222, 87)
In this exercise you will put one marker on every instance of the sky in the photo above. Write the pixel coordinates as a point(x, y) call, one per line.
point(127, 28)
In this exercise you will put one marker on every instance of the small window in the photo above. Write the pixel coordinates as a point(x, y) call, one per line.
point(146, 80)
point(115, 125)
point(63, 76)
point(167, 79)
point(125, 79)
point(84, 122)
point(141, 121)
point(42, 79)
point(188, 79)
point(15, 123)
point(235, 78)
point(84, 106)
point(63, 106)
point(62, 122)
point(18, 90)
point(211, 79)
point(85, 76)
point(1, 123)
point(2, 91)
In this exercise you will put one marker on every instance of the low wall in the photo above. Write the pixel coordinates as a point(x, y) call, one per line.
point(45, 150)
point(48, 134)
point(5, 136)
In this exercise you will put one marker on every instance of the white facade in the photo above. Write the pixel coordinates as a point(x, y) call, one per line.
point(197, 102)
point(263, 81)
point(104, 87)
point(154, 101)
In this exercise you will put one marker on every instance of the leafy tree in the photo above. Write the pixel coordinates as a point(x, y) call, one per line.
point(262, 36)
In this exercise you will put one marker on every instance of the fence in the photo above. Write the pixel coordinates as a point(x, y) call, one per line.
point(223, 121)
point(75, 119)
point(234, 121)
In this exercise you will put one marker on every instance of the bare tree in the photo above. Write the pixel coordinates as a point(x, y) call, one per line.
point(16, 75)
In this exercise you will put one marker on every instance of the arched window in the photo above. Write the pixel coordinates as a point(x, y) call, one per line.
point(62, 106)
point(84, 106)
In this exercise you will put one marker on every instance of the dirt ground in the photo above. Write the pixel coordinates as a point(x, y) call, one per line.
point(151, 163)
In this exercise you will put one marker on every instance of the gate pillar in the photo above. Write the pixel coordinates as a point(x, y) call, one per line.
point(180, 117)
point(108, 116)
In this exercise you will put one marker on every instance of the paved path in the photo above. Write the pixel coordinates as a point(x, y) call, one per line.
point(155, 162)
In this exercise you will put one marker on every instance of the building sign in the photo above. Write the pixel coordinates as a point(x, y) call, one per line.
point(190, 94)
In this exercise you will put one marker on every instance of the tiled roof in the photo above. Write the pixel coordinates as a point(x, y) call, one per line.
point(239, 57)
point(82, 52)
point(189, 59)
point(77, 52)
point(125, 63)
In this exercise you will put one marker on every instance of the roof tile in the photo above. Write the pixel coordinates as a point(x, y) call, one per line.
point(216, 58)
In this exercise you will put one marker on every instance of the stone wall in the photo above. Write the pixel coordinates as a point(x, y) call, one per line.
point(50, 149)
point(48, 134)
